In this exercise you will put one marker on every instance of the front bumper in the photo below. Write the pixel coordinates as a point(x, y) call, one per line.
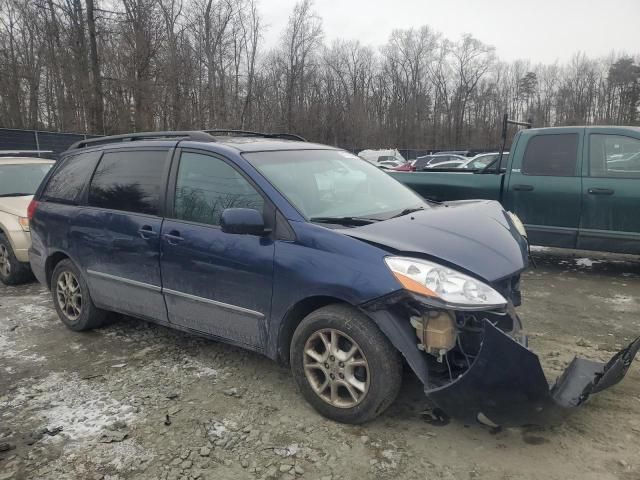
point(20, 241)
point(505, 385)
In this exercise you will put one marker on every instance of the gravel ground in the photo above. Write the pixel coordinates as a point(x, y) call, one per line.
point(135, 400)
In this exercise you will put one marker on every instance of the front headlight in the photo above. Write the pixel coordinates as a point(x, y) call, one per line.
point(518, 224)
point(444, 285)
point(24, 223)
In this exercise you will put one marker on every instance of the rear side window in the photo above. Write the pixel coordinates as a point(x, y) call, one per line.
point(615, 156)
point(129, 181)
point(69, 179)
point(551, 155)
point(207, 185)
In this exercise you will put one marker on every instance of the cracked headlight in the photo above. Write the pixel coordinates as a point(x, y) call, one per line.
point(443, 284)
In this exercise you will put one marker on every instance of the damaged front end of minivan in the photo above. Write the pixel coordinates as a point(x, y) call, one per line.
point(454, 319)
point(476, 365)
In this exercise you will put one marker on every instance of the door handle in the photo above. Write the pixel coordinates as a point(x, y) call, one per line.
point(601, 191)
point(523, 188)
point(146, 232)
point(173, 237)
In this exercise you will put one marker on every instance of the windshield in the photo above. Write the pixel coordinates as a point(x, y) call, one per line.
point(334, 183)
point(21, 179)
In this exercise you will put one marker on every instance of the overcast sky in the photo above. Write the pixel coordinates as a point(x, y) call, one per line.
point(538, 30)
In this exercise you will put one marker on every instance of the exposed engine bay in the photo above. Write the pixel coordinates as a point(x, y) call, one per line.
point(476, 365)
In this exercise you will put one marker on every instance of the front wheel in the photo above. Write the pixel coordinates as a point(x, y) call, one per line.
point(12, 272)
point(344, 365)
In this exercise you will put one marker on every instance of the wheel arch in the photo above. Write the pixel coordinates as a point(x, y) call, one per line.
point(294, 316)
point(50, 265)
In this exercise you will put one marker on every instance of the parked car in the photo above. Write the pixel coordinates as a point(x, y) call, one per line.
point(384, 155)
point(19, 179)
point(564, 183)
point(446, 165)
point(234, 238)
point(423, 162)
point(405, 167)
point(482, 160)
point(390, 164)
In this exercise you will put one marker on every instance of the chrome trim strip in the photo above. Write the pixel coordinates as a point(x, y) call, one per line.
point(134, 283)
point(227, 306)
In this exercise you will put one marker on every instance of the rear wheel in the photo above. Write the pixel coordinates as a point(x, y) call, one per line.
point(72, 300)
point(343, 364)
point(12, 272)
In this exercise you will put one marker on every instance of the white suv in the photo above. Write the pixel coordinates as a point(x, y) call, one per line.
point(19, 180)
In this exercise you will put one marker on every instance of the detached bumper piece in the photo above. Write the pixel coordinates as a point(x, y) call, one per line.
point(506, 386)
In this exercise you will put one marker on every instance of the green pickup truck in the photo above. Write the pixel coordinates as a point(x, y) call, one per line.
point(572, 187)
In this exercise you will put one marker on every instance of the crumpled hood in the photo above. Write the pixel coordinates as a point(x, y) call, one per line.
point(475, 235)
point(15, 205)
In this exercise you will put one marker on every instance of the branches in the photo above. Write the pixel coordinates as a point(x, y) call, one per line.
point(110, 66)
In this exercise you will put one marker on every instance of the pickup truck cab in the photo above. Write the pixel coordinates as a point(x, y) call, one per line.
point(573, 187)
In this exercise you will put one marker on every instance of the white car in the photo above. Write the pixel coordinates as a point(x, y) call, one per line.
point(448, 164)
point(482, 160)
point(378, 156)
point(19, 179)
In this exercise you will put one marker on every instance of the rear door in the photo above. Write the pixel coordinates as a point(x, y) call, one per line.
point(117, 235)
point(611, 193)
point(215, 282)
point(544, 186)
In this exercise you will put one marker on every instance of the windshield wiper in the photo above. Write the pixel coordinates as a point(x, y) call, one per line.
point(407, 211)
point(357, 221)
point(19, 194)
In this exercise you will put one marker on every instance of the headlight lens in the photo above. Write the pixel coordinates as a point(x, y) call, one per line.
point(518, 224)
point(444, 284)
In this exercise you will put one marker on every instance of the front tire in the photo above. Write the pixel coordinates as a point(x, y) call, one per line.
point(12, 272)
point(72, 300)
point(343, 364)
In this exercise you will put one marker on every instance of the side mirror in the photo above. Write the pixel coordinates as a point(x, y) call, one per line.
point(242, 221)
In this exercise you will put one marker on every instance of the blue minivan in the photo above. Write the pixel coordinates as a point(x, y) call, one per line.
point(309, 255)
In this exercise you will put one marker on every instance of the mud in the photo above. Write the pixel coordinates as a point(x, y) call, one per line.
point(136, 400)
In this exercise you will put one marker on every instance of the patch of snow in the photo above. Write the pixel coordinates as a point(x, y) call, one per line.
point(586, 262)
point(84, 409)
point(538, 248)
point(8, 349)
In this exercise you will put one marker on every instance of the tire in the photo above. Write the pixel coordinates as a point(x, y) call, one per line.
point(378, 380)
point(12, 272)
point(77, 313)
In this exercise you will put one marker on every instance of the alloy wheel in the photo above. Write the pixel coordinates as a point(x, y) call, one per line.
point(69, 295)
point(5, 264)
point(336, 368)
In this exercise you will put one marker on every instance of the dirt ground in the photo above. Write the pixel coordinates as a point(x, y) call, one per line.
point(135, 400)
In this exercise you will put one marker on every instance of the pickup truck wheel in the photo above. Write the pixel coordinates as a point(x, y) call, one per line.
point(343, 364)
point(12, 272)
point(72, 300)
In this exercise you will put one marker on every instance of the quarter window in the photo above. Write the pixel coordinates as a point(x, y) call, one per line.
point(614, 156)
point(207, 185)
point(551, 155)
point(70, 178)
point(129, 181)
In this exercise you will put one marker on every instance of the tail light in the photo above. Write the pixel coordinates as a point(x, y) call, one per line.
point(31, 209)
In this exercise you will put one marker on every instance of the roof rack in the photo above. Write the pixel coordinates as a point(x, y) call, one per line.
point(249, 133)
point(198, 136)
point(195, 135)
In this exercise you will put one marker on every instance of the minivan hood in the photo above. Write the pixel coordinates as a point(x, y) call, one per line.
point(15, 205)
point(474, 235)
